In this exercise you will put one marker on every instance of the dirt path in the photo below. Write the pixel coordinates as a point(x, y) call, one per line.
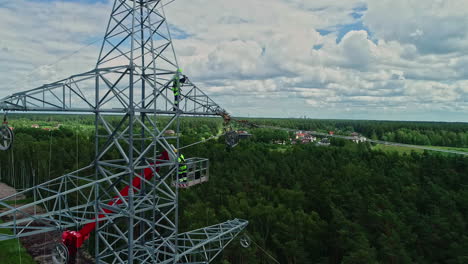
point(6, 191)
point(39, 246)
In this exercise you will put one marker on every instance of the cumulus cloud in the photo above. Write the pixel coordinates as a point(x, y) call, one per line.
point(37, 40)
point(433, 26)
point(272, 58)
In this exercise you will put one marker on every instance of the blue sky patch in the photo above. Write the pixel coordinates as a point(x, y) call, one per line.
point(317, 47)
point(342, 30)
point(361, 9)
point(177, 33)
point(356, 15)
point(358, 12)
point(324, 32)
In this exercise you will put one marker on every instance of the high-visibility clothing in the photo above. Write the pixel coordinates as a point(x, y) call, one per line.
point(176, 89)
point(182, 168)
point(183, 179)
point(182, 165)
point(176, 84)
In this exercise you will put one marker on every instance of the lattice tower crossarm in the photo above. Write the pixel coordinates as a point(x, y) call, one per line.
point(128, 91)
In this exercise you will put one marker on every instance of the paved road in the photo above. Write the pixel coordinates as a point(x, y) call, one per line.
point(375, 141)
point(6, 191)
point(419, 147)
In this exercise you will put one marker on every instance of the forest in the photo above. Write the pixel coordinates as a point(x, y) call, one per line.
point(345, 203)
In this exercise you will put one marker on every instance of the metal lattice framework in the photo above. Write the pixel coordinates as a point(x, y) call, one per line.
point(128, 91)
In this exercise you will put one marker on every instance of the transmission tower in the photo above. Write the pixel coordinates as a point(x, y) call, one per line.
point(127, 196)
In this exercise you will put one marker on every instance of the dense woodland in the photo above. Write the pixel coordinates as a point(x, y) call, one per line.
point(346, 203)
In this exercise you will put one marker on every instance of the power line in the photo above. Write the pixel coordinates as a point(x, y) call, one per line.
point(266, 253)
point(58, 60)
point(203, 141)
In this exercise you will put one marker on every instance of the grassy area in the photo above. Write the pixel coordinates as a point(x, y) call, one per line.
point(12, 252)
point(398, 149)
point(24, 201)
point(451, 148)
point(409, 149)
point(281, 148)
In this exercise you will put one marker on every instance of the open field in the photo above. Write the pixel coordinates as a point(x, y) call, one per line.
point(398, 149)
point(13, 252)
point(451, 148)
point(408, 150)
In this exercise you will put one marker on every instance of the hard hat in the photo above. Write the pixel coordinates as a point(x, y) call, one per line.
point(179, 70)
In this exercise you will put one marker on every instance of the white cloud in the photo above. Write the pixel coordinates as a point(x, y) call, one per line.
point(35, 37)
point(434, 26)
point(267, 57)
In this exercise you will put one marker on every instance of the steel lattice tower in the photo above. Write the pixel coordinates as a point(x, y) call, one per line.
point(128, 92)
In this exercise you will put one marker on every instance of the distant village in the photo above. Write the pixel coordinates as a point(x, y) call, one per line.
point(306, 137)
point(48, 128)
point(309, 137)
point(299, 137)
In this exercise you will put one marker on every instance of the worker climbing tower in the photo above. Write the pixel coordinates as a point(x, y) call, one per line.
point(126, 200)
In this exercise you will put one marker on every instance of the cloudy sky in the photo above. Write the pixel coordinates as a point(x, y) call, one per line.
point(353, 59)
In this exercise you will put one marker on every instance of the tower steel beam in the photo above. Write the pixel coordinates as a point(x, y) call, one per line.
point(76, 94)
point(128, 91)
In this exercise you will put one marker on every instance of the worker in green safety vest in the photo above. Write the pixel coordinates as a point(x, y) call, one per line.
point(182, 169)
point(178, 79)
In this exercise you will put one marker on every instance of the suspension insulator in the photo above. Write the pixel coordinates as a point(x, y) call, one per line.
point(245, 241)
point(6, 137)
point(232, 138)
point(60, 254)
